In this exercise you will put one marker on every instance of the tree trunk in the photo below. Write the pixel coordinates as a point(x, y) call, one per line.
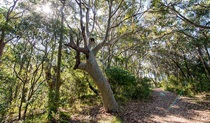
point(205, 66)
point(179, 67)
point(21, 101)
point(207, 53)
point(2, 44)
point(51, 103)
point(25, 111)
point(1, 49)
point(95, 72)
point(19, 110)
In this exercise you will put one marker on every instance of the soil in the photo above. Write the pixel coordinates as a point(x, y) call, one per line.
point(163, 107)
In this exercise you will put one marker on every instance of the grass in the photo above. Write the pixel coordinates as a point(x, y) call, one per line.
point(112, 119)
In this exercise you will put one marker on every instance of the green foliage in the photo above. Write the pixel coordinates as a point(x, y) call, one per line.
point(142, 88)
point(155, 3)
point(185, 86)
point(75, 87)
point(113, 119)
point(120, 77)
point(37, 118)
point(116, 120)
point(127, 86)
point(202, 84)
point(174, 49)
point(6, 86)
point(173, 85)
point(51, 103)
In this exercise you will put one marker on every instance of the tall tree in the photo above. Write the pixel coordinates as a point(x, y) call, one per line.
point(179, 39)
point(7, 26)
point(91, 66)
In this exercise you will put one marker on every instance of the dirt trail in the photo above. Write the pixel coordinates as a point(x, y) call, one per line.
point(164, 107)
point(167, 107)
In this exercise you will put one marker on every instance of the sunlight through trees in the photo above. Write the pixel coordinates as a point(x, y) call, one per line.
point(62, 58)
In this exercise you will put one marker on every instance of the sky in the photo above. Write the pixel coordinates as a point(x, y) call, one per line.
point(3, 2)
point(44, 8)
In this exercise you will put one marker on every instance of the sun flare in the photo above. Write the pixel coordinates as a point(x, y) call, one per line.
point(46, 8)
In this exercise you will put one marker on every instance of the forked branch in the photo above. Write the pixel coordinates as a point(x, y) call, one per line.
point(78, 49)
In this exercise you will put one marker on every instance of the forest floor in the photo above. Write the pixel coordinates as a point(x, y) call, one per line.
point(163, 107)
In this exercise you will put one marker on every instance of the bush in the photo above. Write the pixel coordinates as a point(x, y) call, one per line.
point(185, 86)
point(143, 88)
point(126, 86)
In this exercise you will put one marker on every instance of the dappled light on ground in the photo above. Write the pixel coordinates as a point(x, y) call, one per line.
point(160, 109)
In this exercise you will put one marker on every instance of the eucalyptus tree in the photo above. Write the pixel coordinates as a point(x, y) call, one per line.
point(101, 25)
point(91, 66)
point(60, 43)
point(8, 18)
point(29, 70)
point(180, 38)
point(52, 38)
point(37, 38)
point(30, 55)
point(197, 19)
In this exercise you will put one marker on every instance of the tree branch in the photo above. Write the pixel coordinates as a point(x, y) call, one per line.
point(16, 73)
point(94, 19)
point(74, 46)
point(100, 45)
point(11, 8)
point(87, 19)
point(187, 20)
point(82, 25)
point(119, 37)
point(77, 57)
point(128, 18)
point(117, 8)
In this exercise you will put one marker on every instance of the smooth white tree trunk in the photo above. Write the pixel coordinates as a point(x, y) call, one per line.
point(91, 66)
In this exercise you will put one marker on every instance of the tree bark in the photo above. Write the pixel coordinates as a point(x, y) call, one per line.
point(207, 53)
point(103, 85)
point(1, 48)
point(205, 66)
point(179, 67)
point(25, 111)
point(21, 102)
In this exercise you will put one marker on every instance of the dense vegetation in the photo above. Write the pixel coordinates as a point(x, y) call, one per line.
point(126, 86)
point(58, 55)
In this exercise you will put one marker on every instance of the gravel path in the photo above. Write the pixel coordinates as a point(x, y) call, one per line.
point(166, 107)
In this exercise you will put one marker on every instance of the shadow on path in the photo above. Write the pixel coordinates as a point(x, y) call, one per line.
point(165, 107)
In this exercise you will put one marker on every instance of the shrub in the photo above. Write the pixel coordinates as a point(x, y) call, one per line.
point(143, 88)
point(126, 86)
point(185, 86)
